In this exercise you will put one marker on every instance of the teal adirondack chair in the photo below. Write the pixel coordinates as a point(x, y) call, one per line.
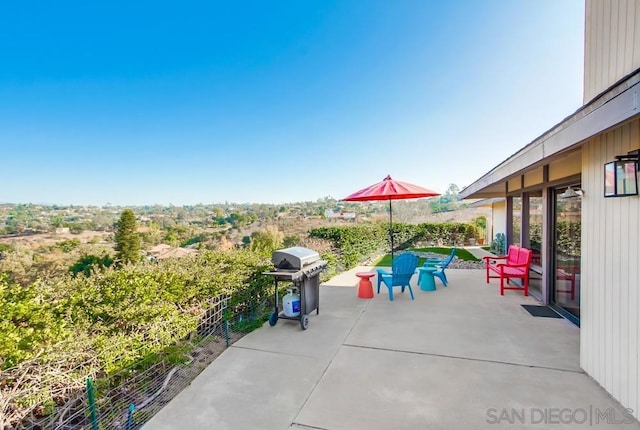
point(402, 269)
point(441, 261)
point(441, 264)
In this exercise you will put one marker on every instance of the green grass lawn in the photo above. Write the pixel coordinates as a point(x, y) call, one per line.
point(386, 261)
point(462, 254)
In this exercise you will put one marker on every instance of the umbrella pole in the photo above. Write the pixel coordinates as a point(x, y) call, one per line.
point(391, 229)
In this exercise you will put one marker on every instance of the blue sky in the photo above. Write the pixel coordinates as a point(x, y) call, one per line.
point(134, 103)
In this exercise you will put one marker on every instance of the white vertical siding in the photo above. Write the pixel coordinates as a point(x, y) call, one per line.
point(612, 43)
point(610, 328)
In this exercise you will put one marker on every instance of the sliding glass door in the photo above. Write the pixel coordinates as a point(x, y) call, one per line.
point(565, 285)
point(533, 240)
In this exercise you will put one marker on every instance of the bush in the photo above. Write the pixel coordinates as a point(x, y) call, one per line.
point(124, 302)
point(355, 243)
point(362, 242)
point(89, 263)
point(30, 320)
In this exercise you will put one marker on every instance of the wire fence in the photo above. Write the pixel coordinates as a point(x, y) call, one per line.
point(76, 393)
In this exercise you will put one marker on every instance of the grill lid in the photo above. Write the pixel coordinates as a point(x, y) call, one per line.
point(294, 258)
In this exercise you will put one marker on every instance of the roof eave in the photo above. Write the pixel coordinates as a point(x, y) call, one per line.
point(618, 104)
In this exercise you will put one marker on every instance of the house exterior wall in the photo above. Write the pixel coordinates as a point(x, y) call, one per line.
point(498, 219)
point(612, 43)
point(565, 167)
point(534, 177)
point(514, 184)
point(609, 323)
point(610, 227)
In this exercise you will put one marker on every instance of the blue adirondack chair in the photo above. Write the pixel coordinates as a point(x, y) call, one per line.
point(402, 269)
point(441, 264)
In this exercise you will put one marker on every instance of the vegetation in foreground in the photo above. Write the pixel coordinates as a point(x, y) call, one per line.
point(103, 319)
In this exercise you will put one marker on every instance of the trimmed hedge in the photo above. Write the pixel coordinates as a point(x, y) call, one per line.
point(360, 242)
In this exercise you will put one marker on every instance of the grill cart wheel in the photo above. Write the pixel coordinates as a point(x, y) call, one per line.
point(273, 318)
point(304, 321)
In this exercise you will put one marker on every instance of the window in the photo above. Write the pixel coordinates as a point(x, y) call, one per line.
point(516, 219)
point(535, 227)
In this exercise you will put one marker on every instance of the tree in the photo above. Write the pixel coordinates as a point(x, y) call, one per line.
point(127, 239)
point(291, 240)
point(481, 224)
point(267, 240)
point(448, 201)
point(452, 191)
point(88, 263)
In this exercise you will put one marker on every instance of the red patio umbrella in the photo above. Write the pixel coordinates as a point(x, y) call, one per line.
point(390, 189)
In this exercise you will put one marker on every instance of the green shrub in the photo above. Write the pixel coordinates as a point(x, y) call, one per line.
point(68, 245)
point(30, 320)
point(88, 263)
point(361, 242)
point(126, 306)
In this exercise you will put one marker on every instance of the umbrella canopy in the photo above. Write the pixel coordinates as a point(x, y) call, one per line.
point(390, 189)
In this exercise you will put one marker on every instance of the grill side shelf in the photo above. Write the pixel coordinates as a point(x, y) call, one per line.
point(282, 275)
point(296, 275)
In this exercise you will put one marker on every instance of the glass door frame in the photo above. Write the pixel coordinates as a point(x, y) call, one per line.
point(552, 265)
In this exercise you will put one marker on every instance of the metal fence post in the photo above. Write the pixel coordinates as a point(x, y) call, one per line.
point(225, 313)
point(130, 416)
point(92, 405)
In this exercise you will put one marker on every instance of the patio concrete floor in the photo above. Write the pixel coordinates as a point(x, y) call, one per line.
point(460, 357)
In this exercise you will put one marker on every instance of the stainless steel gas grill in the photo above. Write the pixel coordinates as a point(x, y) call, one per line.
point(300, 266)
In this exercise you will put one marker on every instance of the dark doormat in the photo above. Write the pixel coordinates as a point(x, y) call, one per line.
point(541, 311)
